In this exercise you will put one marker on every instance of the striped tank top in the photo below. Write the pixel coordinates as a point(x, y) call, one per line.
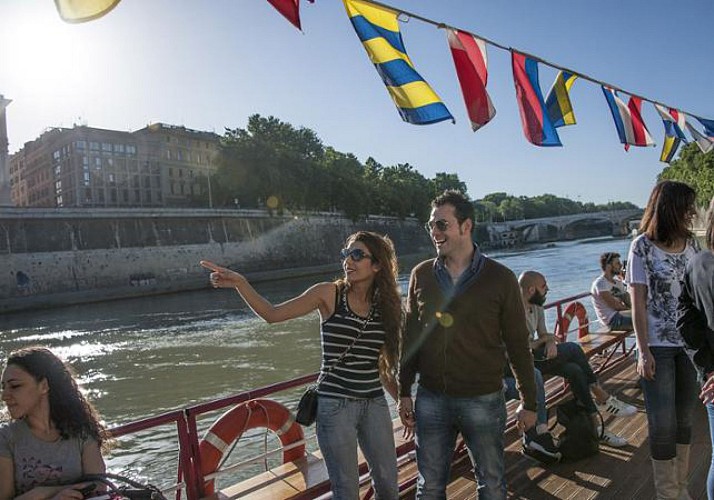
point(357, 374)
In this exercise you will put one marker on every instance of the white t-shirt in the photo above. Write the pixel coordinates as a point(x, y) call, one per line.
point(602, 284)
point(535, 319)
point(663, 273)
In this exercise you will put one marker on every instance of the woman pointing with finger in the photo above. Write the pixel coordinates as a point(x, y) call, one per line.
point(360, 325)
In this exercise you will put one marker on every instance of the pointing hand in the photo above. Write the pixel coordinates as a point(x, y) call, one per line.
point(222, 277)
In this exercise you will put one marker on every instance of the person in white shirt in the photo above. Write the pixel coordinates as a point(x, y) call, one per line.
point(609, 294)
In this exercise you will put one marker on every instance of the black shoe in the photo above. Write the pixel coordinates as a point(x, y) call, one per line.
point(541, 447)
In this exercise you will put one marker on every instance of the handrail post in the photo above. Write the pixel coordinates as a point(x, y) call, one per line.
point(559, 321)
point(186, 458)
point(196, 475)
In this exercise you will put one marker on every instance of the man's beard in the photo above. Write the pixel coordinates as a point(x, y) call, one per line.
point(537, 298)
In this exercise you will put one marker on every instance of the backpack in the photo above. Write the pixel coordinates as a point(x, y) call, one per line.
point(580, 439)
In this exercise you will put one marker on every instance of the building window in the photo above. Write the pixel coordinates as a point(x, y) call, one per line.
point(171, 172)
point(168, 154)
point(119, 148)
point(106, 147)
point(80, 144)
point(130, 150)
point(112, 179)
point(93, 146)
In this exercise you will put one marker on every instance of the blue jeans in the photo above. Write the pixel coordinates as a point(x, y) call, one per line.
point(710, 477)
point(342, 423)
point(620, 322)
point(571, 364)
point(481, 421)
point(670, 400)
point(511, 392)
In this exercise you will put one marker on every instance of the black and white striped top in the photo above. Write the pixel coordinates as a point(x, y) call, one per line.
point(357, 375)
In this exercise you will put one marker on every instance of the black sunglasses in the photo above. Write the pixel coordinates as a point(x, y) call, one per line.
point(441, 224)
point(357, 254)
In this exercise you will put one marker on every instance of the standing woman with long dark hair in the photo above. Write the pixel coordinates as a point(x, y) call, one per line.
point(655, 273)
point(54, 436)
point(696, 324)
point(361, 310)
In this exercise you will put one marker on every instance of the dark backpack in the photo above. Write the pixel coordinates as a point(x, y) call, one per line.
point(580, 439)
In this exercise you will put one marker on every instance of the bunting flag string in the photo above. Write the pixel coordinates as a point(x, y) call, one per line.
point(471, 62)
point(560, 110)
point(378, 30)
point(377, 26)
point(537, 127)
point(630, 127)
point(674, 125)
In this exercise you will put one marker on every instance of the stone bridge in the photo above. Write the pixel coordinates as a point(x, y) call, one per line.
point(565, 227)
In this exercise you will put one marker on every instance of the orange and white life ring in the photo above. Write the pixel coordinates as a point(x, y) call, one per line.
point(574, 310)
point(250, 415)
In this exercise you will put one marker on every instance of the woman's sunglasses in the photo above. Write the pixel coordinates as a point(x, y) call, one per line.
point(357, 254)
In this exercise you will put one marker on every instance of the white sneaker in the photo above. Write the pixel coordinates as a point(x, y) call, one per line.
point(615, 407)
point(613, 440)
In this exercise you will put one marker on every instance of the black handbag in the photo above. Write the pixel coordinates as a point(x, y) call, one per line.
point(307, 406)
point(129, 489)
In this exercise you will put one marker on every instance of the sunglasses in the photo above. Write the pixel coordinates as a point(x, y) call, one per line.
point(357, 254)
point(441, 224)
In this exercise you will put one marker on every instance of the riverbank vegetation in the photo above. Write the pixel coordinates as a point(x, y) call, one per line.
point(273, 164)
point(696, 169)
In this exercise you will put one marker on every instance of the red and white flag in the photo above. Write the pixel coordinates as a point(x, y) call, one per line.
point(471, 64)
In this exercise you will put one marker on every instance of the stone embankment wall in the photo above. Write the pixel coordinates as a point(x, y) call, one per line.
point(55, 257)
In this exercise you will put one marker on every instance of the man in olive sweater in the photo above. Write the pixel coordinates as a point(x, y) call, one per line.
point(464, 315)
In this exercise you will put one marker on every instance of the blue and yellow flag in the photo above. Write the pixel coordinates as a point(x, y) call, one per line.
point(378, 30)
point(557, 103)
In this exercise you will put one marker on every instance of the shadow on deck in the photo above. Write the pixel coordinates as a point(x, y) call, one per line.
point(615, 473)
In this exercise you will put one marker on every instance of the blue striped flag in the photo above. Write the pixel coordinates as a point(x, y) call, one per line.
point(557, 103)
point(378, 30)
point(674, 125)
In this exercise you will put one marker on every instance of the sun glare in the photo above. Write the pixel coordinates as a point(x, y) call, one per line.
point(41, 53)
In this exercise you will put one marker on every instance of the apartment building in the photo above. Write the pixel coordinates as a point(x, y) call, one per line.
point(157, 166)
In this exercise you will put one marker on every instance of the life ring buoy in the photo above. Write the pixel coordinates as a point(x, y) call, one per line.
point(250, 415)
point(574, 310)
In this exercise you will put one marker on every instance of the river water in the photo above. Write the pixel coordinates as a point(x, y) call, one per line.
point(140, 357)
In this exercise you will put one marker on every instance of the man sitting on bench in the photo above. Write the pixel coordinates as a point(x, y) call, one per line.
point(567, 359)
point(609, 294)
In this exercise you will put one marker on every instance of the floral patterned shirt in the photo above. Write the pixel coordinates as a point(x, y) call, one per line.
point(663, 274)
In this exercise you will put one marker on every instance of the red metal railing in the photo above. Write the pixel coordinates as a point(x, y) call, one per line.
point(189, 460)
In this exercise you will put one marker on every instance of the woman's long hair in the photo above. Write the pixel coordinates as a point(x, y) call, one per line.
point(665, 219)
point(709, 235)
point(385, 291)
point(71, 413)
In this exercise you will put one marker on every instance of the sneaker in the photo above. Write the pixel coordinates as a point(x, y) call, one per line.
point(613, 440)
point(541, 447)
point(615, 407)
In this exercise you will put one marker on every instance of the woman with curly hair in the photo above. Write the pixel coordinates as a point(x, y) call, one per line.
point(360, 312)
point(54, 436)
point(655, 274)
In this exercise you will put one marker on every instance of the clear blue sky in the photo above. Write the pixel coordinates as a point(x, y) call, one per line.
point(209, 64)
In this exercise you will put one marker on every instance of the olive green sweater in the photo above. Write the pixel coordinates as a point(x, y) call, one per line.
point(459, 346)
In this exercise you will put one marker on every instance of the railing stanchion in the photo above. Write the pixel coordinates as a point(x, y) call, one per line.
point(186, 462)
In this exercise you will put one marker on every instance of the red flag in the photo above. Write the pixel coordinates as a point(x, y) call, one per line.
point(471, 64)
point(290, 9)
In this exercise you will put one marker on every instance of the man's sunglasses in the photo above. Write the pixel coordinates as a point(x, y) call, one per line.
point(357, 254)
point(441, 224)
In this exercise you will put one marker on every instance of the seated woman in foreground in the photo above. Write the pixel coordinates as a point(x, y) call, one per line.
point(54, 436)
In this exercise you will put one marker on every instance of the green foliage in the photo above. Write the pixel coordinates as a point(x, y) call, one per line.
point(501, 206)
point(271, 160)
point(696, 169)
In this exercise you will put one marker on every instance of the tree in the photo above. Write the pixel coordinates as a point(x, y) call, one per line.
point(443, 181)
point(696, 169)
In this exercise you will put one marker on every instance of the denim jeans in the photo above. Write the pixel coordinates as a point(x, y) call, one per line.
point(571, 364)
point(481, 421)
point(342, 423)
point(710, 477)
point(670, 400)
point(511, 392)
point(620, 322)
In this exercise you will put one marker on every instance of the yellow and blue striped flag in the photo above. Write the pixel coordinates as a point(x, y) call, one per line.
point(557, 103)
point(378, 30)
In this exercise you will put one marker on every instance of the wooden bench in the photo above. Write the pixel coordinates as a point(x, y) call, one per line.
point(307, 477)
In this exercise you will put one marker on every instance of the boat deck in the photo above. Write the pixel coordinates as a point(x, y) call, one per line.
point(615, 473)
